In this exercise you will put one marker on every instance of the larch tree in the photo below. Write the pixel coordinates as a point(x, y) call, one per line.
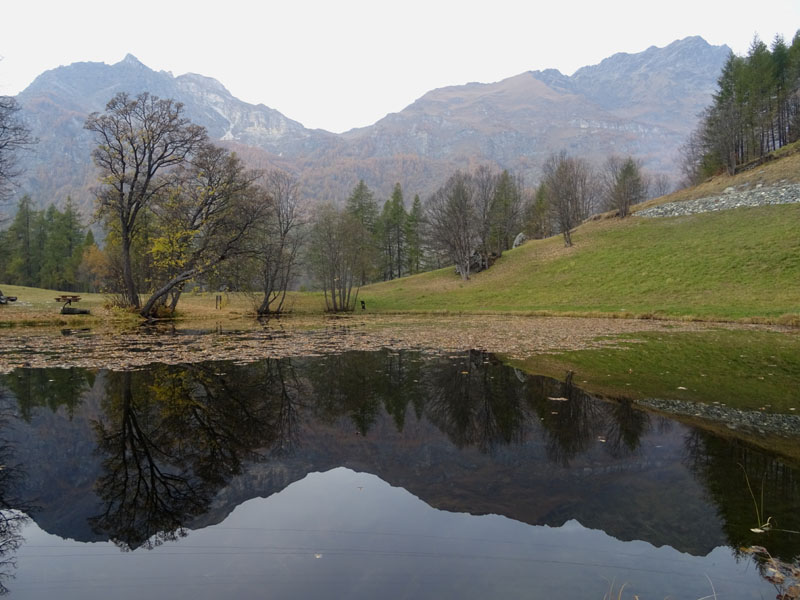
point(361, 204)
point(623, 184)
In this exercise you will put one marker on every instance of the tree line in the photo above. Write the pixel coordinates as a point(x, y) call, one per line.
point(48, 248)
point(755, 110)
point(468, 222)
point(178, 210)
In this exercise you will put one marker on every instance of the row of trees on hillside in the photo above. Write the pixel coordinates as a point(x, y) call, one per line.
point(468, 222)
point(474, 217)
point(177, 209)
point(755, 110)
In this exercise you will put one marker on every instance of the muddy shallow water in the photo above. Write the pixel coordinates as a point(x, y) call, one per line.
point(247, 341)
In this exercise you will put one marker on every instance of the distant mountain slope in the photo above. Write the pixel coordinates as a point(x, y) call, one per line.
point(643, 104)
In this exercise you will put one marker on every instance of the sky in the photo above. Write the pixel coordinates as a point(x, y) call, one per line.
point(341, 64)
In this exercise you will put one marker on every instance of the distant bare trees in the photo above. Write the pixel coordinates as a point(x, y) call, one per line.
point(14, 136)
point(474, 217)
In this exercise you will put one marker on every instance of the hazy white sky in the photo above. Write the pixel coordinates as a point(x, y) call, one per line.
point(347, 63)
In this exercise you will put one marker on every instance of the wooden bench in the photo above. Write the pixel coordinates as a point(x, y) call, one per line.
point(68, 299)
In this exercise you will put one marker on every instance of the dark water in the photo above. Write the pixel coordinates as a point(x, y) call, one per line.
point(365, 475)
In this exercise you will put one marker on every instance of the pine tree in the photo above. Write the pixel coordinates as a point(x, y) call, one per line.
point(361, 205)
point(24, 252)
point(413, 235)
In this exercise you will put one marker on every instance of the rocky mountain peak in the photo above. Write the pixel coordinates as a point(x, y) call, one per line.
point(643, 104)
point(131, 61)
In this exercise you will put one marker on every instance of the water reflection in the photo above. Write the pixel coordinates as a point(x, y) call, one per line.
point(12, 509)
point(171, 438)
point(748, 487)
point(172, 448)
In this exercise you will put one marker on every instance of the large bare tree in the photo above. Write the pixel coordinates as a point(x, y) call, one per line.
point(278, 238)
point(335, 256)
point(139, 139)
point(570, 192)
point(452, 223)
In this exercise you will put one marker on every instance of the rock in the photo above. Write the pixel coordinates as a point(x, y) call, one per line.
point(519, 240)
point(729, 199)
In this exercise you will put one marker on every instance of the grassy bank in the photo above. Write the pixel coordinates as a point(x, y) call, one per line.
point(38, 307)
point(748, 370)
point(734, 265)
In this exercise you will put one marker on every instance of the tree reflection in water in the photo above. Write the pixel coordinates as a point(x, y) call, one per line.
point(172, 437)
point(52, 388)
point(13, 511)
point(726, 468)
point(476, 401)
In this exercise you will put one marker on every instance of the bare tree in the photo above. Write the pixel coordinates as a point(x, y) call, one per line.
point(659, 185)
point(138, 140)
point(570, 192)
point(334, 253)
point(691, 158)
point(278, 239)
point(452, 223)
point(484, 183)
point(14, 136)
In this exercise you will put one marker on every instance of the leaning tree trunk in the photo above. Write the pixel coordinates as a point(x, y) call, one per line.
point(160, 295)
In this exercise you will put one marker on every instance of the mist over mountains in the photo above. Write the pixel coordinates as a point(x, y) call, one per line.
point(642, 104)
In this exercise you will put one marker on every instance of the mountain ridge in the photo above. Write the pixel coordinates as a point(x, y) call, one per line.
point(642, 104)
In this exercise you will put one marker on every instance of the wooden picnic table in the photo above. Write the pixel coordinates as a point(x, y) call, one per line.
point(68, 299)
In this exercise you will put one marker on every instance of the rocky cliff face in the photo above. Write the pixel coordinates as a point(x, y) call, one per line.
point(642, 104)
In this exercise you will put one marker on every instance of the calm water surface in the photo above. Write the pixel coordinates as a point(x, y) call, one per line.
point(364, 475)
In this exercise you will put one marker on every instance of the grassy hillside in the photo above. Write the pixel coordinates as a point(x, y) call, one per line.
point(737, 264)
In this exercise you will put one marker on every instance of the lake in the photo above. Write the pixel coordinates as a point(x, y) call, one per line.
point(397, 474)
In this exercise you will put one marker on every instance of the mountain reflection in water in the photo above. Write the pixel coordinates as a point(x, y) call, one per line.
point(141, 458)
